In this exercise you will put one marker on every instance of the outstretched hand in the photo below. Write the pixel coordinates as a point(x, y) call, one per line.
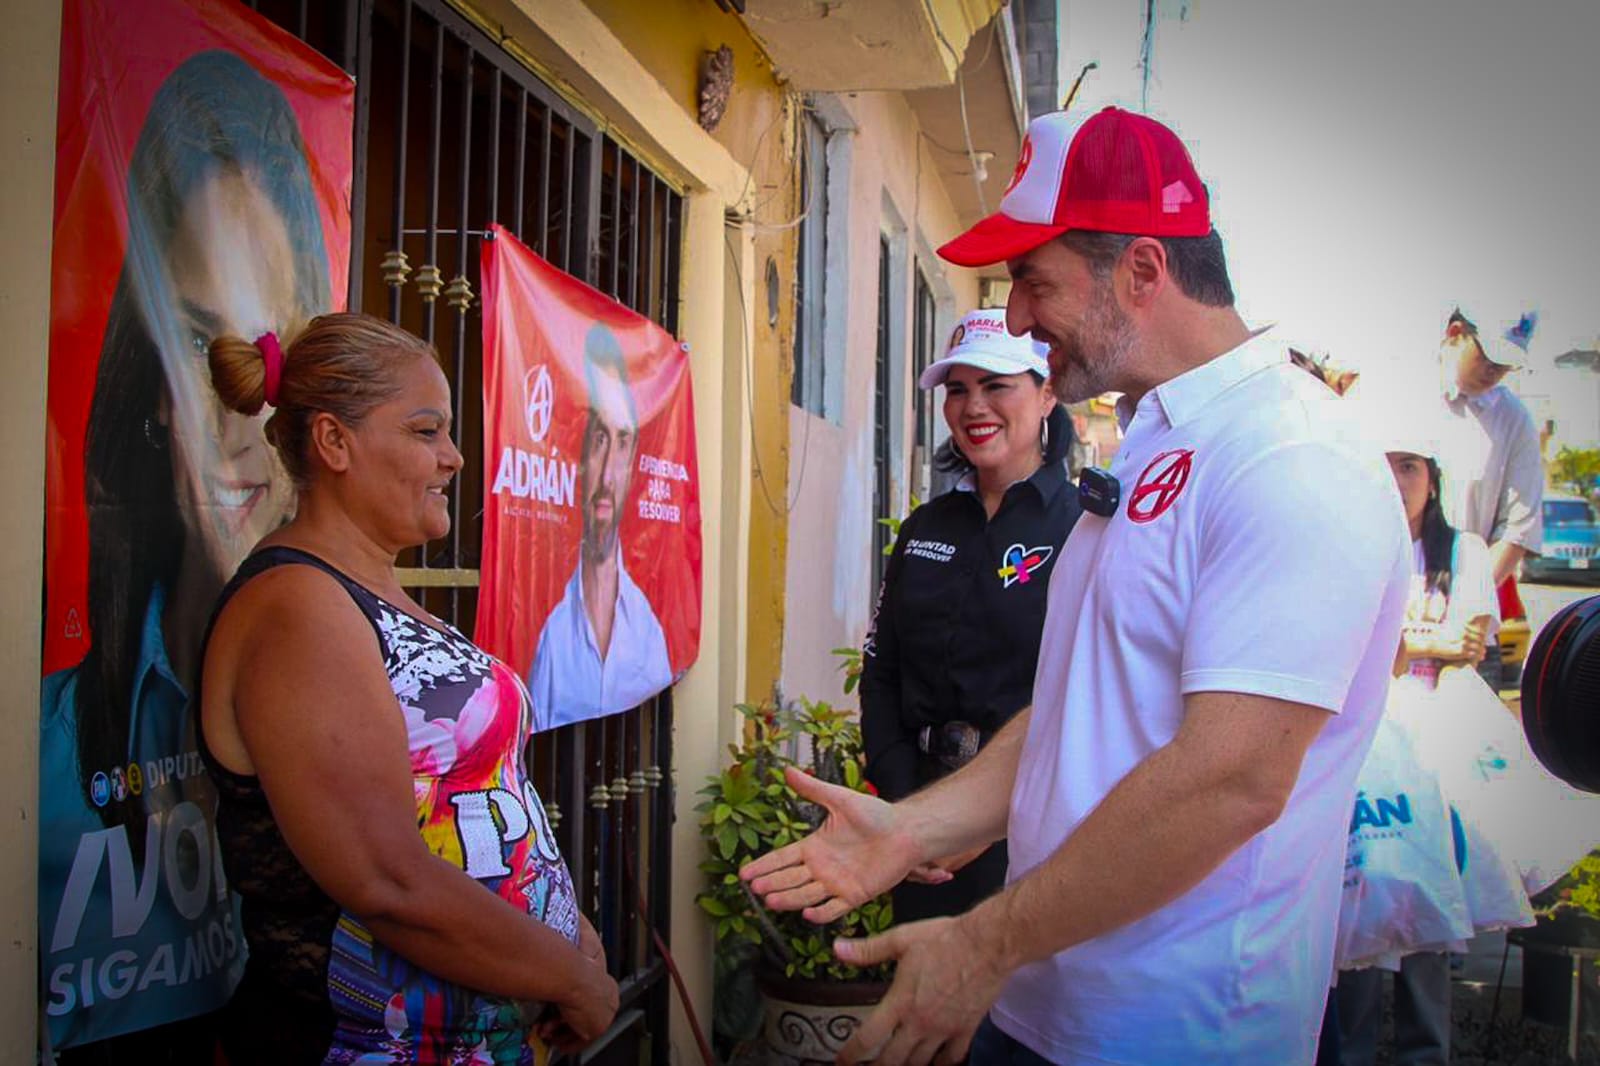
point(858, 854)
point(944, 984)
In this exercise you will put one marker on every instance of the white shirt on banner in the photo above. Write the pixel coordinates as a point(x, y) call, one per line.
point(570, 681)
point(1260, 548)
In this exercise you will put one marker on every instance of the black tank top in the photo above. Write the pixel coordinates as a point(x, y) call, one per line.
point(318, 986)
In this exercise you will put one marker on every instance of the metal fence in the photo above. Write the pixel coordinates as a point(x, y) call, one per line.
point(452, 133)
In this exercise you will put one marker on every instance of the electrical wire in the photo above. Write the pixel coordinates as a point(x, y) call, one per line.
point(747, 356)
point(792, 108)
point(749, 373)
point(755, 154)
point(804, 149)
point(1147, 54)
point(803, 144)
point(961, 94)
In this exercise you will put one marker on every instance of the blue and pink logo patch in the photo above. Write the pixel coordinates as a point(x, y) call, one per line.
point(1018, 564)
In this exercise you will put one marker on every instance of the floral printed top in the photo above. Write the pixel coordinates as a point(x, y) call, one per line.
point(318, 986)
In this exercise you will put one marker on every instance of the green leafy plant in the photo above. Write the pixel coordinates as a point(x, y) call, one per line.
point(1575, 469)
point(893, 525)
point(850, 663)
point(1578, 890)
point(749, 809)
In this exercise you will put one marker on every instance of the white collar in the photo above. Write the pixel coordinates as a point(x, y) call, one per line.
point(1481, 402)
point(1187, 395)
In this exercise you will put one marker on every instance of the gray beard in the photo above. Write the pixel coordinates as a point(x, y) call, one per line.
point(1088, 374)
point(1099, 352)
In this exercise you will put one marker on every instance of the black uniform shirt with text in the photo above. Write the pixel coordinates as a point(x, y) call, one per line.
point(955, 636)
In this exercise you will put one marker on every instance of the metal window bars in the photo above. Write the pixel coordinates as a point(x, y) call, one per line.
point(451, 133)
point(882, 415)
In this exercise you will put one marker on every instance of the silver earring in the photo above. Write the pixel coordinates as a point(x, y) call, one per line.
point(153, 436)
point(1044, 435)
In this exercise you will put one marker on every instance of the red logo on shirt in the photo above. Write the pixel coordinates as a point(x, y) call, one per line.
point(1160, 485)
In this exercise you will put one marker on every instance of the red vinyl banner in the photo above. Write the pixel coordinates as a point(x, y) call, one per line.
point(203, 178)
point(590, 580)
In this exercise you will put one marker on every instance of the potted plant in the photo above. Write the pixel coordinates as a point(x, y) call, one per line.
point(1568, 914)
point(812, 1001)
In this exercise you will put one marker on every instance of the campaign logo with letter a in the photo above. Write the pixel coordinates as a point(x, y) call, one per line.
point(1160, 485)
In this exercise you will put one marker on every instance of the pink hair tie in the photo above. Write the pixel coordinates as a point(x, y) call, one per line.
point(272, 359)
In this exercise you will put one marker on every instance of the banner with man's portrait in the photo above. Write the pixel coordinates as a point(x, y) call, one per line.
point(203, 179)
point(590, 580)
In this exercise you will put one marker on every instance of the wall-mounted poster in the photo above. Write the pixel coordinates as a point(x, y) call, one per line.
point(591, 533)
point(203, 168)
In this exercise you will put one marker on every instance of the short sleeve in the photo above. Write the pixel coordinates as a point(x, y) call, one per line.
point(1518, 515)
point(1472, 581)
point(1296, 558)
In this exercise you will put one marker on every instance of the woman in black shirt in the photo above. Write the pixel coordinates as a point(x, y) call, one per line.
point(955, 636)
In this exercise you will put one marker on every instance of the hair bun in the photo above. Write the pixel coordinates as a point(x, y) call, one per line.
point(238, 374)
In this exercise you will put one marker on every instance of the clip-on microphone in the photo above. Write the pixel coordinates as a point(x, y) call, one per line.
point(1099, 492)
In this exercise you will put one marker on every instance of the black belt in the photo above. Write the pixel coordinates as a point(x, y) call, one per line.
point(953, 743)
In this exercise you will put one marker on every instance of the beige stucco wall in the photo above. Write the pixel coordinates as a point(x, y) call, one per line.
point(828, 587)
point(702, 700)
point(27, 171)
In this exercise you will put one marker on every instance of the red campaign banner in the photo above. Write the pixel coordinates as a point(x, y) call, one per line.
point(590, 581)
point(203, 180)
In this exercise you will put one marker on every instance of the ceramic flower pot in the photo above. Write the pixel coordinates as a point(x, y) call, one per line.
point(808, 1021)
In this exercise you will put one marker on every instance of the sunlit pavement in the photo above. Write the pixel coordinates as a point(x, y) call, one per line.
point(1485, 953)
point(1543, 601)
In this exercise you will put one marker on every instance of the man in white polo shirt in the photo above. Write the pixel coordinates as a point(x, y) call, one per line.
point(1213, 666)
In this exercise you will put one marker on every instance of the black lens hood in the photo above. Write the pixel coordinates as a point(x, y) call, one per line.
point(1561, 695)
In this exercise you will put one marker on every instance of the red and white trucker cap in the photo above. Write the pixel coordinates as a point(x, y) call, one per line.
point(1112, 171)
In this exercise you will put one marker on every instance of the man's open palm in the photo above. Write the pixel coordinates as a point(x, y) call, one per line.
point(856, 855)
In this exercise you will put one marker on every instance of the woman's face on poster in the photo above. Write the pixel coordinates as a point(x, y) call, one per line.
point(231, 270)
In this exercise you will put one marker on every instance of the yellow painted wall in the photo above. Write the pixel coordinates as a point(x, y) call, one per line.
point(27, 170)
point(668, 38)
point(773, 240)
point(632, 67)
point(769, 378)
point(700, 699)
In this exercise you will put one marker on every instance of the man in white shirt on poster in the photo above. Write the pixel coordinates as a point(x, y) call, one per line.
point(602, 650)
point(1212, 670)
